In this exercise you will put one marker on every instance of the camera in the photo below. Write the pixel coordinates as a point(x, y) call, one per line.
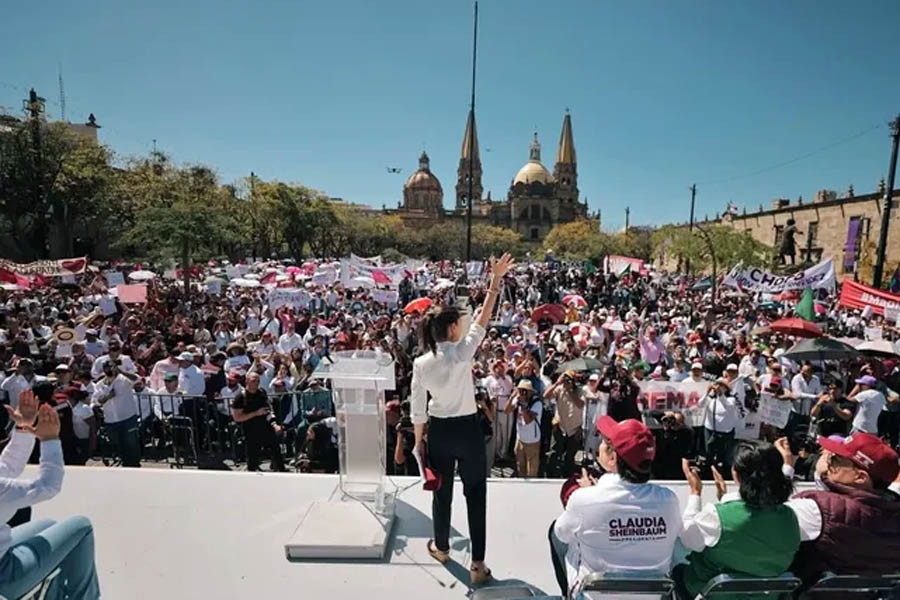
point(669, 421)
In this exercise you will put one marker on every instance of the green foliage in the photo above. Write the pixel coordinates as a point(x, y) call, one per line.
point(729, 245)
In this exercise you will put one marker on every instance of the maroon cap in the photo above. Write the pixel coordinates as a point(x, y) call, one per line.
point(869, 453)
point(631, 440)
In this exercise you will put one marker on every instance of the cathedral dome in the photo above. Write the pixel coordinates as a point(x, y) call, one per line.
point(423, 179)
point(533, 171)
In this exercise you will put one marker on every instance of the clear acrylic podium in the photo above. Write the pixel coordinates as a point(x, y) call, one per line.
point(356, 521)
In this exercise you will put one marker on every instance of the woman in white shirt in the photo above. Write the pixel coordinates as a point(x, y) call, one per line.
point(454, 433)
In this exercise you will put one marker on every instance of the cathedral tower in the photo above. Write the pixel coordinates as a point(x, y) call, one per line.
point(462, 174)
point(565, 171)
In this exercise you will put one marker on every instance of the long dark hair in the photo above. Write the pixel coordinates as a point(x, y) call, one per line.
point(435, 325)
point(758, 467)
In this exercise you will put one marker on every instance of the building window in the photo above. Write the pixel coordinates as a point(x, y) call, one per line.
point(779, 233)
point(812, 233)
point(535, 212)
point(534, 233)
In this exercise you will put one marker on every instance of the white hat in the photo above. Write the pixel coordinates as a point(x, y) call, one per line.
point(186, 356)
point(696, 365)
point(731, 367)
point(594, 377)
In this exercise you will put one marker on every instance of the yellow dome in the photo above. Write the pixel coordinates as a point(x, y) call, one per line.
point(423, 179)
point(531, 172)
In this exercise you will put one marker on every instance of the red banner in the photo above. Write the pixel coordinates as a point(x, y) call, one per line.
point(857, 295)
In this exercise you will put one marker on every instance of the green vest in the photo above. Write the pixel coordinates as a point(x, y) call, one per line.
point(753, 543)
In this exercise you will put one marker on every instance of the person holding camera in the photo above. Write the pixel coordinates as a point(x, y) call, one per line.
point(528, 411)
point(618, 520)
point(721, 416)
point(832, 412)
point(673, 442)
point(114, 393)
point(567, 423)
point(444, 371)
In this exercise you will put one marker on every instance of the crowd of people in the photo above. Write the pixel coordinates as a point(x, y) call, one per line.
point(567, 381)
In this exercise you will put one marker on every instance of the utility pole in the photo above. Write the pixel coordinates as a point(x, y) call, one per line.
point(627, 212)
point(886, 210)
point(693, 197)
point(471, 144)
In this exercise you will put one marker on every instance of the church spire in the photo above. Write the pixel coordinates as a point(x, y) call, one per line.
point(565, 172)
point(470, 138)
point(534, 152)
point(566, 151)
point(471, 132)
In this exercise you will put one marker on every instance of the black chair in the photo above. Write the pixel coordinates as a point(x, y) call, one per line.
point(774, 587)
point(616, 584)
point(853, 586)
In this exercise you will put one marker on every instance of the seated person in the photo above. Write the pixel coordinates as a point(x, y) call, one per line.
point(852, 525)
point(29, 553)
point(751, 533)
point(619, 522)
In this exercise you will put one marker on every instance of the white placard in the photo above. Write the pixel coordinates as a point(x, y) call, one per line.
point(288, 297)
point(873, 333)
point(214, 287)
point(757, 280)
point(108, 306)
point(774, 411)
point(63, 350)
point(114, 278)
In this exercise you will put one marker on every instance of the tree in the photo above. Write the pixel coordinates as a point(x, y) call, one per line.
point(47, 197)
point(578, 240)
point(730, 246)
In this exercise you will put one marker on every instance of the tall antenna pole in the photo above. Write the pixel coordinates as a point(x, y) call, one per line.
point(887, 200)
point(471, 142)
point(62, 96)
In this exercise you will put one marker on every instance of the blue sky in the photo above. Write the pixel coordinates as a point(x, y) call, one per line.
point(662, 93)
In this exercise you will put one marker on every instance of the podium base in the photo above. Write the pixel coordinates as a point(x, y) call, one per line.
point(341, 529)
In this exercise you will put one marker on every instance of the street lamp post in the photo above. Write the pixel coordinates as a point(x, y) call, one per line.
point(886, 210)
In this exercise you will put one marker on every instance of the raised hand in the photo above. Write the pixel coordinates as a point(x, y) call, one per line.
point(47, 427)
point(692, 476)
point(721, 487)
point(501, 266)
point(27, 410)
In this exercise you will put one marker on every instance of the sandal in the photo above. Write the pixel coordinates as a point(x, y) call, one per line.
point(479, 576)
point(438, 555)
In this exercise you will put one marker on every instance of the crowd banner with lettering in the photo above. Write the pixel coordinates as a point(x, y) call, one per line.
point(753, 279)
point(774, 411)
point(685, 396)
point(59, 267)
point(386, 297)
point(857, 295)
point(296, 297)
point(356, 267)
point(616, 264)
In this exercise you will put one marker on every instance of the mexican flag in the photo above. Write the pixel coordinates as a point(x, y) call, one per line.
point(805, 308)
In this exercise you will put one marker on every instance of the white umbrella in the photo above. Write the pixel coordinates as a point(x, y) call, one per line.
point(877, 347)
point(141, 275)
point(442, 284)
point(614, 325)
point(362, 282)
point(248, 283)
point(251, 276)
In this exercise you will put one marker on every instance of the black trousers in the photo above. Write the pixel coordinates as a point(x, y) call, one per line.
point(259, 435)
point(719, 450)
point(451, 442)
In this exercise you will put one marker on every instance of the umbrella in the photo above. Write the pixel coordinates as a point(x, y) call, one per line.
point(554, 312)
point(703, 284)
point(574, 300)
point(247, 283)
point(443, 284)
point(797, 327)
point(251, 276)
point(765, 330)
point(821, 348)
point(882, 348)
point(213, 279)
point(293, 269)
point(788, 295)
point(771, 306)
point(141, 275)
point(582, 364)
point(362, 282)
point(417, 305)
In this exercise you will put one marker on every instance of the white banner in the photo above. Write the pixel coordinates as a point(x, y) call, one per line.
point(325, 276)
point(753, 279)
point(288, 297)
point(386, 297)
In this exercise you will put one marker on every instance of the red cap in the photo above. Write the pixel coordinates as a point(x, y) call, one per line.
point(631, 440)
point(869, 453)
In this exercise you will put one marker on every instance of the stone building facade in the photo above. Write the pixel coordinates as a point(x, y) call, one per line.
point(536, 201)
point(845, 228)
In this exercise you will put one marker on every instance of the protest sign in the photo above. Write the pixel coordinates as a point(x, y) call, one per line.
point(774, 411)
point(108, 306)
point(754, 279)
point(132, 294)
point(857, 295)
point(749, 428)
point(232, 272)
point(114, 278)
point(386, 297)
point(872, 333)
point(326, 276)
point(69, 279)
point(295, 297)
point(214, 286)
point(685, 396)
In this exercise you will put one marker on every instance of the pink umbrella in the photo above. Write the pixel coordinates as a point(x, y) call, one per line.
point(292, 269)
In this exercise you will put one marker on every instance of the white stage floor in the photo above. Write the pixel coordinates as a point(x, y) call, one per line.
point(212, 534)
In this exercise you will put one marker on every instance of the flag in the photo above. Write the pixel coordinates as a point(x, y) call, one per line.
point(8, 277)
point(268, 278)
point(589, 267)
point(380, 277)
point(805, 308)
point(625, 271)
point(894, 285)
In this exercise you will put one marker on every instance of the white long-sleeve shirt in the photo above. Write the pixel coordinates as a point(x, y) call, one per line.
point(18, 493)
point(191, 381)
point(808, 392)
point(447, 374)
point(619, 526)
